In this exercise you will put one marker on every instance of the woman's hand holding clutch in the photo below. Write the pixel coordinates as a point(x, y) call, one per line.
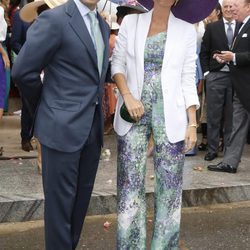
point(134, 106)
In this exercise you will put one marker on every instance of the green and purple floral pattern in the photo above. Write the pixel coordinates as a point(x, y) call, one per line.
point(168, 164)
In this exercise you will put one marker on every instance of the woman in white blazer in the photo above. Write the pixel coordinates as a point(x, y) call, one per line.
point(154, 68)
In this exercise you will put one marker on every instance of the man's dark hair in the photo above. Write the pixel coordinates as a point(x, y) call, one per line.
point(218, 8)
point(42, 8)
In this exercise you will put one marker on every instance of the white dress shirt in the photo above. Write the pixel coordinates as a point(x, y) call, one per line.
point(233, 24)
point(84, 11)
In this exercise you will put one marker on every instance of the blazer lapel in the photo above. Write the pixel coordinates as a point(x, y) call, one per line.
point(78, 25)
point(238, 37)
point(237, 27)
point(141, 32)
point(173, 38)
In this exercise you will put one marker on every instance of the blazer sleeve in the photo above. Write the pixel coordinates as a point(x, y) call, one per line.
point(188, 72)
point(118, 64)
point(43, 40)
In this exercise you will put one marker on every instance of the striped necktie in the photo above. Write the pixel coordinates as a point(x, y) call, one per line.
point(230, 34)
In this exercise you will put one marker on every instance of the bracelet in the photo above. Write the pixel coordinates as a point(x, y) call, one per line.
point(128, 93)
point(193, 125)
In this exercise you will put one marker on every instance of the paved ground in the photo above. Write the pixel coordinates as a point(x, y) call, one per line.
point(21, 194)
point(220, 227)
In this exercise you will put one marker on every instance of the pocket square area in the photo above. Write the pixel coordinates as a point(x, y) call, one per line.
point(244, 35)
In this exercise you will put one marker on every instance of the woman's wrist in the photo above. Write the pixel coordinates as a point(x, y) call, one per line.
point(126, 93)
point(192, 125)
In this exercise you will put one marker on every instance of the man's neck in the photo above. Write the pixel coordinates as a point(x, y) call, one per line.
point(229, 19)
point(90, 6)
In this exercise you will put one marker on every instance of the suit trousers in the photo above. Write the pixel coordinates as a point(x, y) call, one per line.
point(68, 180)
point(219, 100)
point(26, 122)
point(241, 120)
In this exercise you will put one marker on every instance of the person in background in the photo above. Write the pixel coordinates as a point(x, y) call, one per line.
point(127, 9)
point(109, 99)
point(156, 82)
point(4, 64)
point(217, 37)
point(26, 16)
point(215, 15)
point(70, 43)
point(6, 45)
point(18, 38)
point(239, 62)
point(4, 60)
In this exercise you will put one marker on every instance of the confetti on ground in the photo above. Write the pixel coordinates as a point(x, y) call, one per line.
point(109, 182)
point(105, 155)
point(198, 168)
point(106, 225)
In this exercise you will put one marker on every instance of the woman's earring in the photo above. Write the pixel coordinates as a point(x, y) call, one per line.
point(176, 1)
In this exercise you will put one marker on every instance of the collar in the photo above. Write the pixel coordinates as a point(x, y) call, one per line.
point(233, 22)
point(246, 20)
point(84, 10)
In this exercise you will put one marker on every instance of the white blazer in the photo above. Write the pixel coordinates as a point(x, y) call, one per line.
point(177, 75)
point(3, 25)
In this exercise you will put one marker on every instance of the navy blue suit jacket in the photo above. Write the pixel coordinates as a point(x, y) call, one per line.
point(59, 44)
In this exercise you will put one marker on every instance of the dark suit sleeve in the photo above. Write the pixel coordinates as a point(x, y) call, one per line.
point(16, 37)
point(205, 50)
point(43, 40)
point(242, 58)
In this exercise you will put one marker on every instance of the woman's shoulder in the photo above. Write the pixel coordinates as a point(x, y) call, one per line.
point(132, 18)
point(1, 9)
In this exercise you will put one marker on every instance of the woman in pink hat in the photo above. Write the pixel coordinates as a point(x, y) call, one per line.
point(154, 69)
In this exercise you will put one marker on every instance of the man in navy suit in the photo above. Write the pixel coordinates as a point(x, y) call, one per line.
point(67, 109)
point(18, 38)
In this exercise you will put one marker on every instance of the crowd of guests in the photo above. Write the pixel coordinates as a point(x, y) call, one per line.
point(215, 117)
point(214, 83)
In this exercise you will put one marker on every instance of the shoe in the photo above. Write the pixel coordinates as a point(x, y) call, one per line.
point(210, 156)
point(202, 147)
point(192, 152)
point(222, 167)
point(26, 146)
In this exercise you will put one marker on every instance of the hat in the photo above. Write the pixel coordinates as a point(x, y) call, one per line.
point(29, 12)
point(134, 6)
point(192, 11)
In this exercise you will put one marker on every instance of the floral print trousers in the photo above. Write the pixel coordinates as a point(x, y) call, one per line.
point(168, 167)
